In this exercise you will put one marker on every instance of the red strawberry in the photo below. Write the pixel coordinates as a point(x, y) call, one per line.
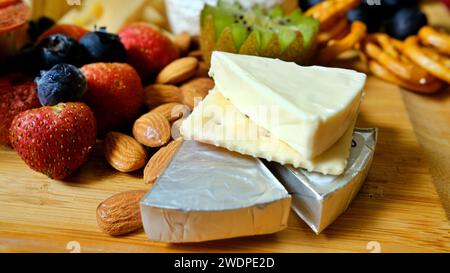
point(72, 31)
point(114, 93)
point(55, 140)
point(148, 50)
point(17, 94)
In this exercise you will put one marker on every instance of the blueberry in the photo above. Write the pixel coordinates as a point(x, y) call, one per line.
point(398, 4)
point(392, 6)
point(36, 28)
point(406, 22)
point(104, 47)
point(62, 83)
point(368, 15)
point(306, 4)
point(57, 49)
point(389, 7)
point(27, 60)
point(376, 9)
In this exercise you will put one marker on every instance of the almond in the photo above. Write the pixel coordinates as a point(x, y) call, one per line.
point(157, 94)
point(196, 90)
point(176, 133)
point(178, 71)
point(160, 160)
point(183, 42)
point(124, 153)
point(152, 130)
point(198, 54)
point(202, 70)
point(120, 214)
point(172, 111)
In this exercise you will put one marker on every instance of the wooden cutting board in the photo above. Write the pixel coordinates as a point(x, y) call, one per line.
point(397, 209)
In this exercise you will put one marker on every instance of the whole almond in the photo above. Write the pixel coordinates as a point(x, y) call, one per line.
point(120, 214)
point(178, 71)
point(196, 90)
point(176, 133)
point(183, 42)
point(202, 70)
point(157, 94)
point(172, 111)
point(152, 130)
point(198, 54)
point(160, 160)
point(124, 153)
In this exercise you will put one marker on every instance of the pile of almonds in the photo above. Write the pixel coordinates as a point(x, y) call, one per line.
point(171, 99)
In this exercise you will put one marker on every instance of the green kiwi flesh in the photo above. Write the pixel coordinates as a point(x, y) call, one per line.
point(257, 31)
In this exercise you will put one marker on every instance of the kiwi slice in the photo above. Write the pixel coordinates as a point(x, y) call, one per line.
point(257, 31)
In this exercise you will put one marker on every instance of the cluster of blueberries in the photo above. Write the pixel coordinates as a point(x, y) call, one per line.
point(398, 18)
point(57, 58)
point(96, 46)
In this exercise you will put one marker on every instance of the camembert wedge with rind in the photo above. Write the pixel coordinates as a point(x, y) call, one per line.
point(216, 121)
point(309, 108)
point(209, 193)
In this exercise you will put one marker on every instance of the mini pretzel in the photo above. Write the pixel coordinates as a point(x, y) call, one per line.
point(431, 61)
point(439, 40)
point(336, 47)
point(328, 11)
point(386, 75)
point(389, 56)
point(431, 52)
point(331, 33)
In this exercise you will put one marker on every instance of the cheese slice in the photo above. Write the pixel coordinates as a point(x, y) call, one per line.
point(216, 121)
point(112, 14)
point(89, 13)
point(309, 108)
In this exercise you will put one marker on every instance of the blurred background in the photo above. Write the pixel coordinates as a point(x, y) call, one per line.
point(91, 12)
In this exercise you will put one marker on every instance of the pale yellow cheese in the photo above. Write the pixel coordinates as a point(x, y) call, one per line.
point(216, 121)
point(86, 15)
point(52, 9)
point(112, 14)
point(309, 108)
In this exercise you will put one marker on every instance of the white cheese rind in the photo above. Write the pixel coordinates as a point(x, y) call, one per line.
point(309, 108)
point(209, 193)
point(320, 199)
point(216, 121)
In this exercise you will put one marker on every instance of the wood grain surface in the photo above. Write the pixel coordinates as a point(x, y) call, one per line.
point(430, 116)
point(397, 207)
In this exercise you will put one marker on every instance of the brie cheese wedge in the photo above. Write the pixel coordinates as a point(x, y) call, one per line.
point(209, 193)
point(216, 121)
point(308, 108)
